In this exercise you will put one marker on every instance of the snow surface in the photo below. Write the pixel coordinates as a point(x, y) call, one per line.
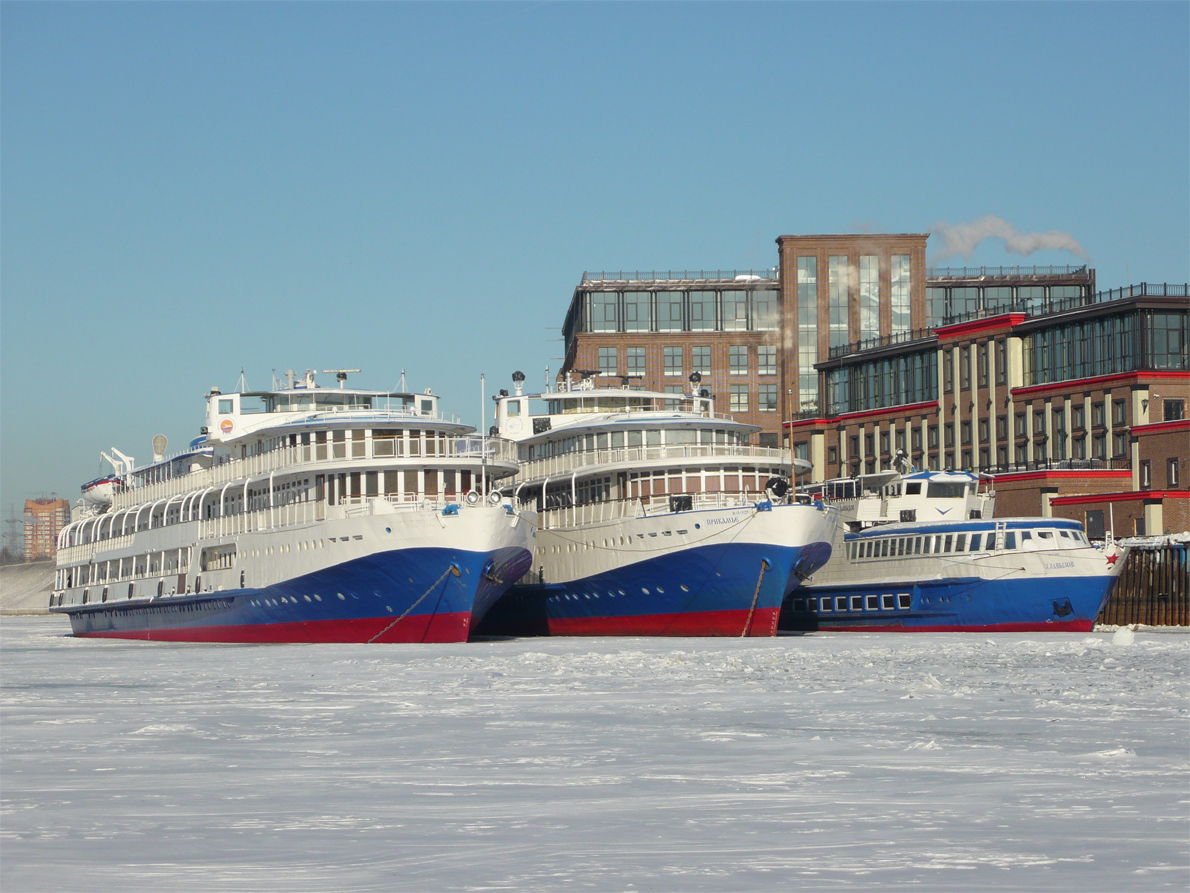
point(859, 761)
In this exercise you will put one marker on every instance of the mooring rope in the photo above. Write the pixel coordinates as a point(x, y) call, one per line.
point(451, 569)
point(764, 566)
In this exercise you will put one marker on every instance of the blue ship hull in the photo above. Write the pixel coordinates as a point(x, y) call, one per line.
point(968, 604)
point(731, 589)
point(402, 595)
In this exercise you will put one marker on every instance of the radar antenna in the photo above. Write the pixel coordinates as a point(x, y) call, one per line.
point(340, 374)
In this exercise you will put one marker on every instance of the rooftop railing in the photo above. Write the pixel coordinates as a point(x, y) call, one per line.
point(1036, 307)
point(842, 350)
point(1024, 272)
point(682, 276)
point(568, 463)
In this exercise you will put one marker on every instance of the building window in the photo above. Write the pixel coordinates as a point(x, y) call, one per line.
point(884, 443)
point(1001, 361)
point(1174, 410)
point(965, 430)
point(1077, 417)
point(608, 362)
point(1021, 429)
point(982, 364)
point(738, 358)
point(735, 311)
point(965, 367)
point(768, 439)
point(702, 311)
point(1099, 446)
point(933, 437)
point(1002, 427)
point(1146, 474)
point(1038, 421)
point(1022, 455)
point(832, 455)
point(915, 439)
point(853, 446)
point(765, 315)
point(601, 311)
point(807, 332)
point(948, 370)
point(869, 444)
point(869, 297)
point(739, 398)
point(700, 360)
point(1119, 444)
point(1078, 448)
point(673, 361)
point(1171, 473)
point(1097, 415)
point(1002, 456)
point(637, 315)
point(1119, 413)
point(1059, 420)
point(949, 434)
point(767, 398)
point(899, 296)
point(636, 361)
point(674, 389)
point(766, 359)
point(984, 427)
point(838, 275)
point(669, 311)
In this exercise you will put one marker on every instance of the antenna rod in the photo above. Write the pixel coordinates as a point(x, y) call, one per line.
point(483, 437)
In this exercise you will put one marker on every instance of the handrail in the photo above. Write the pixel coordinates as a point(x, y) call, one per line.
point(769, 274)
point(591, 459)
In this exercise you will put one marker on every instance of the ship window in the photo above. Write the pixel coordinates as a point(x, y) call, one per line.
point(1045, 534)
point(873, 602)
point(826, 605)
point(888, 602)
point(976, 541)
point(1063, 534)
point(904, 600)
point(841, 603)
point(1010, 540)
point(225, 407)
point(960, 542)
point(917, 545)
point(949, 541)
point(901, 543)
point(857, 602)
point(913, 488)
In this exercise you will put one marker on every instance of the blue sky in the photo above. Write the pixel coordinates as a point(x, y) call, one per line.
point(191, 189)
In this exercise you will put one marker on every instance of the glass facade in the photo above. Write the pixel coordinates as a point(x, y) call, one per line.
point(838, 274)
point(807, 332)
point(897, 381)
point(869, 297)
point(1141, 339)
point(899, 292)
point(725, 310)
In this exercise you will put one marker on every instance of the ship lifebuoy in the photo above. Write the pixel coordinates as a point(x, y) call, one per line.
point(472, 497)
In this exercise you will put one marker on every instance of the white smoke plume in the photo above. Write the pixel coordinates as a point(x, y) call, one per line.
point(963, 238)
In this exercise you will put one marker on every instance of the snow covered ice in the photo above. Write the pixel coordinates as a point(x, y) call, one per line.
point(938, 761)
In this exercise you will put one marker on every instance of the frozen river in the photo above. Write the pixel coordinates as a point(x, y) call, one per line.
point(941, 761)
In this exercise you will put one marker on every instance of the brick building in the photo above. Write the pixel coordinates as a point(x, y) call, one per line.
point(44, 519)
point(851, 351)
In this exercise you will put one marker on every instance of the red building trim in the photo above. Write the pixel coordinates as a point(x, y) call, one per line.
point(906, 409)
point(1161, 427)
point(1101, 381)
point(1131, 496)
point(1065, 473)
point(975, 326)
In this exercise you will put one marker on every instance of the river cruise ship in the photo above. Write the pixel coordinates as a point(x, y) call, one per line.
point(658, 517)
point(302, 514)
point(924, 552)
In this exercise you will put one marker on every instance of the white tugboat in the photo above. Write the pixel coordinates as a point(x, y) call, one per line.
point(303, 514)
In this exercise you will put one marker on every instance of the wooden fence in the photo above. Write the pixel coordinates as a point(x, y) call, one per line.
point(1154, 589)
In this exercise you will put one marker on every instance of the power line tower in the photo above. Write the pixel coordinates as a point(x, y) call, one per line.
point(14, 536)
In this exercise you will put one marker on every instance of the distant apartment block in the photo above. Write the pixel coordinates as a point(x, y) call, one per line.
point(44, 518)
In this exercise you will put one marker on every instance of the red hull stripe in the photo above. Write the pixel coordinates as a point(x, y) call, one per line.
point(422, 628)
point(706, 623)
point(1073, 626)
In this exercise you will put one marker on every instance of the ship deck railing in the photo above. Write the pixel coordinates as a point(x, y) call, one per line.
point(627, 509)
point(302, 456)
point(568, 463)
point(166, 538)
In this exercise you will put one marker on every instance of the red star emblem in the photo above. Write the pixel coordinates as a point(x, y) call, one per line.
point(1111, 559)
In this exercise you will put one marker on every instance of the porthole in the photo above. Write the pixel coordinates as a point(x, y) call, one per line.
point(342, 597)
